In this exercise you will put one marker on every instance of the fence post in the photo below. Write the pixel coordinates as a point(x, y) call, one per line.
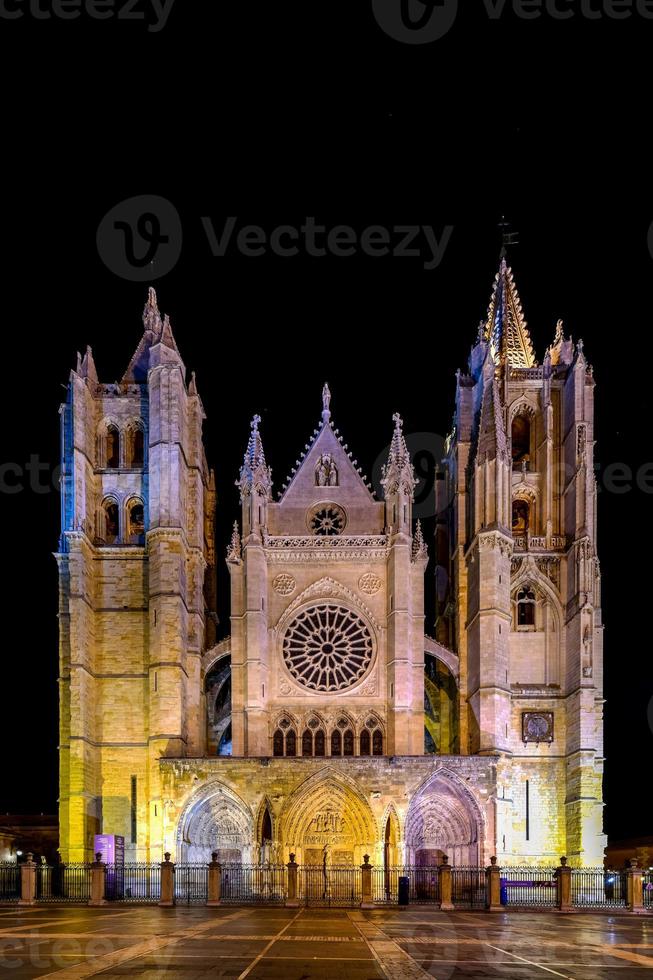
point(444, 872)
point(292, 902)
point(634, 876)
point(167, 882)
point(366, 877)
point(98, 881)
point(493, 887)
point(215, 881)
point(563, 882)
point(28, 881)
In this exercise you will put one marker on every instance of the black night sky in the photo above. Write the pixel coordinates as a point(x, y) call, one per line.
point(272, 113)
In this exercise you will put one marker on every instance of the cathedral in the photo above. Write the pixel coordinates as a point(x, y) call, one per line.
point(329, 721)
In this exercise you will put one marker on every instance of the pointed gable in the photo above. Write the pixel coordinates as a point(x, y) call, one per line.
point(327, 472)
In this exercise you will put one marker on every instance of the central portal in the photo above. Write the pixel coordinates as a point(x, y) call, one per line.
point(327, 824)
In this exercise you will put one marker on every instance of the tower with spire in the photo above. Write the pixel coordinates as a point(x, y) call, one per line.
point(136, 590)
point(518, 595)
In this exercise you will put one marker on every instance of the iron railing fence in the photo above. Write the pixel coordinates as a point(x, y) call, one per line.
point(534, 887)
point(331, 885)
point(63, 882)
point(647, 889)
point(385, 884)
point(598, 888)
point(254, 883)
point(334, 885)
point(9, 881)
point(468, 887)
point(192, 884)
point(134, 882)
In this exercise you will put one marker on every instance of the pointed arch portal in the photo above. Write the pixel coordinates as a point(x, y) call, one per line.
point(326, 819)
point(444, 818)
point(215, 819)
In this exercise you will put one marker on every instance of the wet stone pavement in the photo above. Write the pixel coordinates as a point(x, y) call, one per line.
point(144, 943)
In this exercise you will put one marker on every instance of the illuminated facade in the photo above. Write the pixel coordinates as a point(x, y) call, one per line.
point(327, 724)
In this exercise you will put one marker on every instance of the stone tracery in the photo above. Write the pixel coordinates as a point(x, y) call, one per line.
point(327, 647)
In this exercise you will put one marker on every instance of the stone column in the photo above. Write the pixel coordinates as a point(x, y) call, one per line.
point(215, 882)
point(563, 879)
point(446, 904)
point(167, 882)
point(634, 876)
point(493, 887)
point(98, 881)
point(28, 881)
point(367, 901)
point(292, 901)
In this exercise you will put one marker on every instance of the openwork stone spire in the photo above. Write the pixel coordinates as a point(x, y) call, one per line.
point(398, 475)
point(255, 474)
point(234, 549)
point(151, 315)
point(420, 551)
point(505, 327)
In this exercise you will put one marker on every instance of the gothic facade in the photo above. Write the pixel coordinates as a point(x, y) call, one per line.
point(328, 721)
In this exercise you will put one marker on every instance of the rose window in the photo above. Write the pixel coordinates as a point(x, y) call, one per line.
point(327, 519)
point(327, 647)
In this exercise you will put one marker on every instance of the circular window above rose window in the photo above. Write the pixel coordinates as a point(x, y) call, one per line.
point(326, 519)
point(327, 647)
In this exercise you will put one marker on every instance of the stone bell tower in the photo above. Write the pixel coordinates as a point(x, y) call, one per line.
point(136, 591)
point(519, 582)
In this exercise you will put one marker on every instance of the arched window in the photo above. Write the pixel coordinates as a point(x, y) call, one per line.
point(110, 533)
point(135, 447)
point(277, 742)
point(291, 743)
point(266, 827)
point(336, 742)
point(365, 742)
point(526, 607)
point(136, 523)
point(112, 453)
point(319, 742)
point(307, 742)
point(377, 742)
point(348, 742)
point(521, 441)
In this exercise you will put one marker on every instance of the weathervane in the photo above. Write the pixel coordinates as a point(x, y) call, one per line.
point(508, 237)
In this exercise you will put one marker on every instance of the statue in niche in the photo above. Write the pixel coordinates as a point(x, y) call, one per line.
point(326, 471)
point(520, 516)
